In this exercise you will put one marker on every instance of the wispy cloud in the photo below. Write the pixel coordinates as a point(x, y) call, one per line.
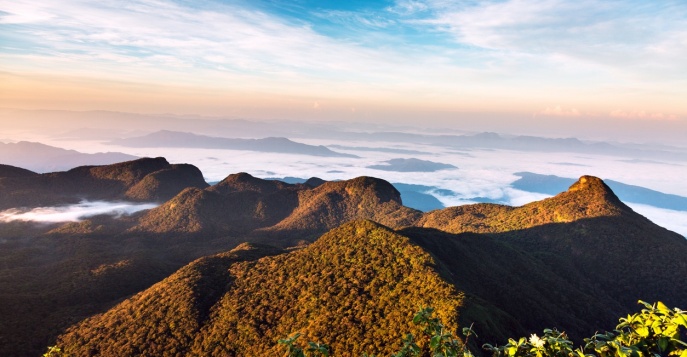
point(407, 7)
point(609, 33)
point(364, 19)
point(222, 43)
point(443, 55)
point(73, 213)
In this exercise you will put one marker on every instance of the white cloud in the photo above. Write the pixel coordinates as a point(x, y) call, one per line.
point(226, 44)
point(675, 221)
point(617, 36)
point(357, 19)
point(519, 197)
point(73, 213)
point(407, 7)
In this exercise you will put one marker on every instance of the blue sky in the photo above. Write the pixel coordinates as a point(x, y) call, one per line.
point(357, 60)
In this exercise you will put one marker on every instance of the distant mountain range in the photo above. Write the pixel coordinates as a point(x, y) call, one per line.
point(166, 138)
point(522, 143)
point(95, 124)
point(44, 158)
point(230, 268)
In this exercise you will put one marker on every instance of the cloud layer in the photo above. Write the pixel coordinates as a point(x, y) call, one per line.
point(73, 213)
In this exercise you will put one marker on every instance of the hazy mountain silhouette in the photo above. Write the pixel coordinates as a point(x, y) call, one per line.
point(96, 120)
point(489, 140)
point(44, 158)
point(166, 138)
point(411, 165)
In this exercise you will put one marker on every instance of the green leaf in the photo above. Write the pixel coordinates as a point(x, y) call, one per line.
point(681, 319)
point(646, 304)
point(643, 331)
point(662, 307)
point(434, 342)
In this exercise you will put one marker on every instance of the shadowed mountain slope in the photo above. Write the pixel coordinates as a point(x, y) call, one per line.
point(12, 171)
point(166, 183)
point(145, 179)
point(165, 318)
point(242, 203)
point(587, 237)
point(334, 203)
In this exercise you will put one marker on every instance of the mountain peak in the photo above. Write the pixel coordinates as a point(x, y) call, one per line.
point(314, 182)
point(594, 188)
point(246, 182)
point(587, 182)
point(382, 189)
point(13, 171)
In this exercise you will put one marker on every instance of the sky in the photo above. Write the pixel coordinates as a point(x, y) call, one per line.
point(557, 63)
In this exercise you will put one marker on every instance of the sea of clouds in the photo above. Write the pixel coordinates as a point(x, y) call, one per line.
point(480, 172)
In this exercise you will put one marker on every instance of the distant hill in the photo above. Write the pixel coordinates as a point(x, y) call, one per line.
point(490, 140)
point(244, 204)
point(334, 203)
point(167, 138)
point(44, 158)
point(552, 185)
point(414, 196)
point(11, 171)
point(411, 165)
point(137, 180)
point(238, 204)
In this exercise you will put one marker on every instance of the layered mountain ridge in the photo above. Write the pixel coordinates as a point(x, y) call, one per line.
point(147, 179)
point(342, 262)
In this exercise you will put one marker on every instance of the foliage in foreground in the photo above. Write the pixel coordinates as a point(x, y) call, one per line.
point(655, 331)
